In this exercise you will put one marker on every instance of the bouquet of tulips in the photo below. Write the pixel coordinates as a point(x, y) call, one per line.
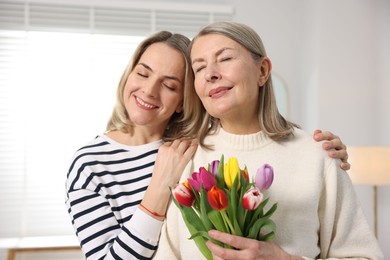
point(220, 196)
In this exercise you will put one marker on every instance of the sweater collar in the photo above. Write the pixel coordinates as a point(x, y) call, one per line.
point(240, 142)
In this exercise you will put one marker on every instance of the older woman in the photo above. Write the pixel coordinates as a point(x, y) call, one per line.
point(318, 213)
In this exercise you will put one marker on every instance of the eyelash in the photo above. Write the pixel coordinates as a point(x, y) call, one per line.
point(225, 59)
point(220, 60)
point(199, 69)
point(169, 87)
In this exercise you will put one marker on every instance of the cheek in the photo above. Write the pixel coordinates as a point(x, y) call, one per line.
point(174, 101)
point(198, 87)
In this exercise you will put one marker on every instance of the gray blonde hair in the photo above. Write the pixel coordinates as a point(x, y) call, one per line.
point(271, 121)
point(120, 119)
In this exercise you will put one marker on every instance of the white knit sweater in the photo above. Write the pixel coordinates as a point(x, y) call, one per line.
point(318, 215)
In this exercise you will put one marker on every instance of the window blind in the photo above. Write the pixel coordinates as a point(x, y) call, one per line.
point(111, 17)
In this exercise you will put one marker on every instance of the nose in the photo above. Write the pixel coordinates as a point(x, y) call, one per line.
point(212, 73)
point(151, 88)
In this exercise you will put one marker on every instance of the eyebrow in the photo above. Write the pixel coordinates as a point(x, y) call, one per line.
point(165, 76)
point(216, 54)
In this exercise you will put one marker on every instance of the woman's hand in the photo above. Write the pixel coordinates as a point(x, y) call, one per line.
point(245, 248)
point(171, 160)
point(334, 146)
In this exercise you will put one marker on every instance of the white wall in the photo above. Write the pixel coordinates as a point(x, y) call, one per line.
point(335, 59)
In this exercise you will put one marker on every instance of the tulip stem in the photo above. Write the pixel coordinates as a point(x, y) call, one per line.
point(228, 224)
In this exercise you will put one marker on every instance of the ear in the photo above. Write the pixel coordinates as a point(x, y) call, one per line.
point(265, 67)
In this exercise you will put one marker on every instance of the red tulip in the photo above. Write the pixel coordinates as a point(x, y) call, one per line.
point(245, 173)
point(252, 198)
point(183, 195)
point(217, 198)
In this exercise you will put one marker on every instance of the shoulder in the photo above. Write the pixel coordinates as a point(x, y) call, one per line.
point(89, 152)
point(301, 137)
point(303, 143)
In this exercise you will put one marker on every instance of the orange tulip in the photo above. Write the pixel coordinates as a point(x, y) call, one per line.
point(217, 198)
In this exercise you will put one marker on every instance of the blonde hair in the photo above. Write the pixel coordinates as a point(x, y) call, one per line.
point(271, 121)
point(120, 119)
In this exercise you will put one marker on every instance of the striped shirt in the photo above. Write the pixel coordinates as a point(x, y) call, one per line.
point(105, 184)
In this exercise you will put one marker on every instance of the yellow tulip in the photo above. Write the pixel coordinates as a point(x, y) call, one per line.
point(231, 170)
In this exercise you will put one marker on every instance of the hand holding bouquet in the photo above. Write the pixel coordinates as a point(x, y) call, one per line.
point(220, 196)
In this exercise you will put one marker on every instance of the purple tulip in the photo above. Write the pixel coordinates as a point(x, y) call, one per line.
point(264, 177)
point(202, 177)
point(214, 167)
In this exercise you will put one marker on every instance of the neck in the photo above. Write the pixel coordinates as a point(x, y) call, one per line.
point(241, 127)
point(137, 137)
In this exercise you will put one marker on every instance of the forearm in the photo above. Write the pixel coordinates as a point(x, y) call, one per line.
point(155, 200)
point(102, 235)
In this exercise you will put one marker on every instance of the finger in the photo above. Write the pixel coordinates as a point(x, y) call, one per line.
point(338, 154)
point(345, 166)
point(167, 143)
point(175, 143)
point(317, 135)
point(327, 135)
point(334, 144)
point(234, 241)
point(219, 252)
point(191, 150)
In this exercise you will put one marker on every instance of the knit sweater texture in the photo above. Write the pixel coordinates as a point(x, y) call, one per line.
point(318, 214)
point(105, 184)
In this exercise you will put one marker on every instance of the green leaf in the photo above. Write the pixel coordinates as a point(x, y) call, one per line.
point(194, 225)
point(270, 226)
point(256, 228)
point(217, 220)
point(204, 209)
point(255, 231)
point(219, 177)
point(253, 215)
point(241, 211)
point(268, 237)
point(271, 210)
point(197, 198)
point(232, 197)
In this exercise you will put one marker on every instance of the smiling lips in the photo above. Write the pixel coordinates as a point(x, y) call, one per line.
point(143, 104)
point(218, 92)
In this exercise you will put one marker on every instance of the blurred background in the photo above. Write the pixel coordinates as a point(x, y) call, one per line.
point(60, 63)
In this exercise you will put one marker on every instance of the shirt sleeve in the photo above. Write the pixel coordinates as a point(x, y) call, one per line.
point(100, 234)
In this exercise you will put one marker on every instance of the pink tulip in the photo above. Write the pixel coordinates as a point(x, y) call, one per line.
point(264, 177)
point(252, 198)
point(202, 177)
point(183, 195)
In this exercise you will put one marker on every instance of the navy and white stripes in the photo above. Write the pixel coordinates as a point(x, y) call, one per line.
point(105, 184)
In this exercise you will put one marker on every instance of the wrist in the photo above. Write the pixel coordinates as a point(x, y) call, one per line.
point(155, 202)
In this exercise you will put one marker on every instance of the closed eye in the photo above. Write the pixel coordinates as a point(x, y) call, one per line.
point(142, 75)
point(225, 59)
point(169, 87)
point(199, 69)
